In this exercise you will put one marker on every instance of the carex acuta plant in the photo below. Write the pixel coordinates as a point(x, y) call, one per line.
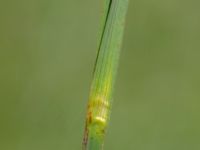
point(100, 98)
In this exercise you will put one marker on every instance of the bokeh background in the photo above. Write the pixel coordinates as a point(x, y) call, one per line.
point(47, 53)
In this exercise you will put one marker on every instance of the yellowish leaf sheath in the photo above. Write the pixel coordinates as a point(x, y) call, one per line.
point(100, 98)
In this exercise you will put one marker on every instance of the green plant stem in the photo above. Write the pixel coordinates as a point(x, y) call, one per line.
point(100, 98)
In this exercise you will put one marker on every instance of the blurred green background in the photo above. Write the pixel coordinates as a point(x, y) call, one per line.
point(47, 53)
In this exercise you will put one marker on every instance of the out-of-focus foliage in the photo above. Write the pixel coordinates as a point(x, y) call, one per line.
point(47, 52)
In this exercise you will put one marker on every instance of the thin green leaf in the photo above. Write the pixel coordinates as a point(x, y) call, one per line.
point(100, 99)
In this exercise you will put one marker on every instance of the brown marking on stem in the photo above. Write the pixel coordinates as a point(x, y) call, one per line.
point(88, 122)
point(85, 138)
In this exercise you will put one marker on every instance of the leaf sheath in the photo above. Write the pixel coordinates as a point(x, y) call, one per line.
point(105, 70)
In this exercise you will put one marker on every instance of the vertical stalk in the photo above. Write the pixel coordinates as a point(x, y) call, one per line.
point(105, 70)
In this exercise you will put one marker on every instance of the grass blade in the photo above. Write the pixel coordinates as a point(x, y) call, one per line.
point(100, 98)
